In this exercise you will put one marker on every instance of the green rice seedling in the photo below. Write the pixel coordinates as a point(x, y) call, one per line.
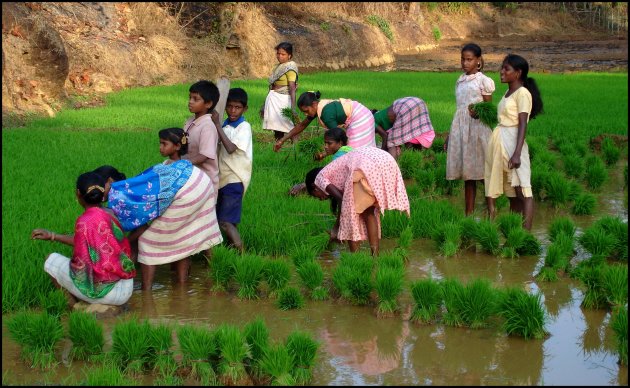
point(406, 236)
point(573, 165)
point(168, 381)
point(615, 284)
point(453, 294)
point(160, 353)
point(596, 173)
point(222, 267)
point(448, 238)
point(312, 276)
point(530, 247)
point(278, 363)
point(554, 260)
point(353, 277)
point(478, 304)
point(233, 351)
point(131, 345)
point(277, 274)
point(444, 186)
point(597, 241)
point(389, 285)
point(487, 236)
point(438, 144)
point(290, 298)
point(86, 334)
point(318, 242)
point(547, 159)
point(523, 313)
point(393, 223)
point(584, 204)
point(107, 374)
point(54, 302)
point(425, 180)
point(610, 152)
point(595, 296)
point(558, 189)
point(309, 147)
point(619, 324)
point(257, 337)
point(486, 111)
point(547, 274)
point(409, 161)
point(198, 346)
point(566, 246)
point(288, 113)
point(38, 334)
point(508, 222)
point(561, 225)
point(427, 297)
point(619, 230)
point(392, 260)
point(248, 273)
point(303, 348)
point(468, 227)
point(302, 254)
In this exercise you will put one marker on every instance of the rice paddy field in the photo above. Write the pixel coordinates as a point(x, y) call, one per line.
point(450, 301)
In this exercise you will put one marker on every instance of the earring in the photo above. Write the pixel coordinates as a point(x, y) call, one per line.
point(478, 65)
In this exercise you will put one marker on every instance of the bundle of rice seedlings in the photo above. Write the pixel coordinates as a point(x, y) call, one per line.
point(444, 186)
point(54, 302)
point(130, 345)
point(303, 348)
point(389, 285)
point(619, 230)
point(353, 277)
point(312, 276)
point(486, 112)
point(468, 227)
point(584, 204)
point(425, 180)
point(453, 295)
point(523, 313)
point(547, 274)
point(277, 274)
point(554, 260)
point(86, 334)
point(448, 238)
point(438, 144)
point(360, 261)
point(515, 239)
point(561, 225)
point(233, 351)
point(222, 267)
point(393, 223)
point(38, 334)
point(107, 374)
point(409, 162)
point(392, 261)
point(565, 244)
point(558, 189)
point(619, 324)
point(597, 241)
point(248, 272)
point(575, 189)
point(318, 242)
point(615, 284)
point(168, 381)
point(478, 304)
point(290, 298)
point(310, 146)
point(160, 354)
point(610, 152)
point(595, 296)
point(278, 363)
point(257, 337)
point(508, 222)
point(406, 236)
point(573, 165)
point(288, 113)
point(303, 254)
point(596, 173)
point(487, 236)
point(198, 347)
point(427, 297)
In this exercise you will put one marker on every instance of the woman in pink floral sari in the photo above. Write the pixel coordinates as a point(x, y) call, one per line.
point(364, 182)
point(100, 270)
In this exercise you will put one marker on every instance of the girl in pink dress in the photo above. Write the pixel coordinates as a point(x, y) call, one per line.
point(364, 182)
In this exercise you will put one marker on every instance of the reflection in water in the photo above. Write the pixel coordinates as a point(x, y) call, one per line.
point(557, 295)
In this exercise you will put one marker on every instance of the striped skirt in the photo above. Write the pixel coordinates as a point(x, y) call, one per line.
point(188, 226)
point(360, 127)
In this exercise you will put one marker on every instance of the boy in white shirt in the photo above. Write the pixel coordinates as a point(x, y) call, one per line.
point(235, 165)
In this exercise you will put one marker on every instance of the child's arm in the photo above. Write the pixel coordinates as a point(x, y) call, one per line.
point(227, 143)
point(43, 234)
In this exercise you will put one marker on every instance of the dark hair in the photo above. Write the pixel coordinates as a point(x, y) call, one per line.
point(337, 134)
point(107, 172)
point(207, 90)
point(91, 186)
point(237, 95)
point(476, 50)
point(310, 179)
point(286, 46)
point(519, 63)
point(175, 136)
point(308, 98)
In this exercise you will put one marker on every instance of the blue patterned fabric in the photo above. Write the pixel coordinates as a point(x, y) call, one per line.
point(141, 199)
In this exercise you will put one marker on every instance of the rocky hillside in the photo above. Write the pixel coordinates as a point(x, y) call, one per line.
point(52, 52)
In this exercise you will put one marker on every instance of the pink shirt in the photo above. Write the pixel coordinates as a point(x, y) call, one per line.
point(203, 139)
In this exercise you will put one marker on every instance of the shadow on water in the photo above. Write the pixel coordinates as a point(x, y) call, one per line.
point(357, 348)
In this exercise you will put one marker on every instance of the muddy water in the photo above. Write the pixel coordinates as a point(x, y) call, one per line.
point(551, 56)
point(359, 349)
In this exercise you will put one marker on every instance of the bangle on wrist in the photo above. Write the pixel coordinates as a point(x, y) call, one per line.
point(52, 238)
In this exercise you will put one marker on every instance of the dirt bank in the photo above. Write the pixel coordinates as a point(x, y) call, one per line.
point(58, 52)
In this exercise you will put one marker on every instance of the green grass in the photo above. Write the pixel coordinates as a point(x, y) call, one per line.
point(86, 334)
point(303, 348)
